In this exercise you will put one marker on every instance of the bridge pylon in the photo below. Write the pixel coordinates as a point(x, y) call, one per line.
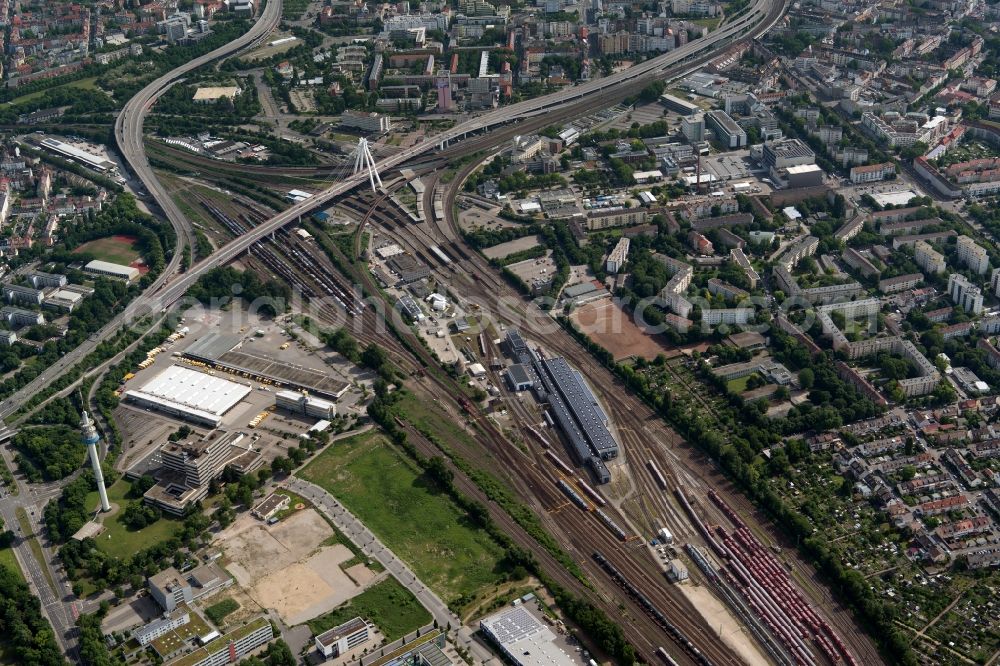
point(363, 161)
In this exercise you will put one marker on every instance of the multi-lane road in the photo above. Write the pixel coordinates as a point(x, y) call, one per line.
point(757, 19)
point(129, 136)
point(171, 285)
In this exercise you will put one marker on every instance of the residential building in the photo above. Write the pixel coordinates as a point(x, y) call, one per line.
point(900, 283)
point(615, 217)
point(972, 255)
point(965, 294)
point(872, 173)
point(929, 259)
point(618, 256)
point(376, 123)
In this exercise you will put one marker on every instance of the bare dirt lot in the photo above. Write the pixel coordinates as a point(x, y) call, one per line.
point(613, 329)
point(286, 568)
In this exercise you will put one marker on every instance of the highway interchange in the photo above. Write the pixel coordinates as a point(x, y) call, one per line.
point(171, 285)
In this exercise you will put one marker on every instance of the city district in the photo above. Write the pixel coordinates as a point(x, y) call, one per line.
point(551, 333)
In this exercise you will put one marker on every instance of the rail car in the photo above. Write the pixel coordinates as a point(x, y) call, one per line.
point(573, 495)
point(440, 254)
point(559, 462)
point(542, 439)
point(612, 525)
point(665, 657)
point(662, 482)
point(591, 493)
point(650, 608)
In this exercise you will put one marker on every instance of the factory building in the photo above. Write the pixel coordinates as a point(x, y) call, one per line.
point(786, 153)
point(727, 132)
point(226, 352)
point(73, 153)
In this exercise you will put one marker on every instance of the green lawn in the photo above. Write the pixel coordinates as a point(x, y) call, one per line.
point(116, 540)
point(738, 385)
point(83, 84)
point(389, 605)
point(389, 493)
point(217, 612)
point(710, 23)
point(116, 249)
point(8, 560)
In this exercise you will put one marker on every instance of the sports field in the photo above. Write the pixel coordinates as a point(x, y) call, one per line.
point(424, 527)
point(116, 249)
point(608, 325)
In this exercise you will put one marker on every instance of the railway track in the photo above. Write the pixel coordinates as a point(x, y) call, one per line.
point(580, 530)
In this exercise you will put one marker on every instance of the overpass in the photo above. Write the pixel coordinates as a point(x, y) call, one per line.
point(755, 21)
point(758, 18)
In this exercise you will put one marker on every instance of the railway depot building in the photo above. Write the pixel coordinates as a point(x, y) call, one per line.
point(571, 404)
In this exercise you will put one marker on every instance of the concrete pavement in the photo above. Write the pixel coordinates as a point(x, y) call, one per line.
point(367, 542)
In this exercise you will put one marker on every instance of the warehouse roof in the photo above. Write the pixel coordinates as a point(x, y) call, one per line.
point(524, 638)
point(191, 391)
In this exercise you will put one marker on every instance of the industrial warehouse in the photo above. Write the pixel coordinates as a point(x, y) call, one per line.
point(226, 352)
point(190, 395)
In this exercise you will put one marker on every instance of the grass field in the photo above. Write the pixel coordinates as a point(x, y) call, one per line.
point(738, 385)
point(8, 560)
point(116, 540)
point(82, 84)
point(116, 249)
point(389, 493)
point(389, 605)
point(217, 612)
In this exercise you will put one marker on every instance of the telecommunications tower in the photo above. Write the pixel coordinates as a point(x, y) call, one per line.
point(89, 437)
